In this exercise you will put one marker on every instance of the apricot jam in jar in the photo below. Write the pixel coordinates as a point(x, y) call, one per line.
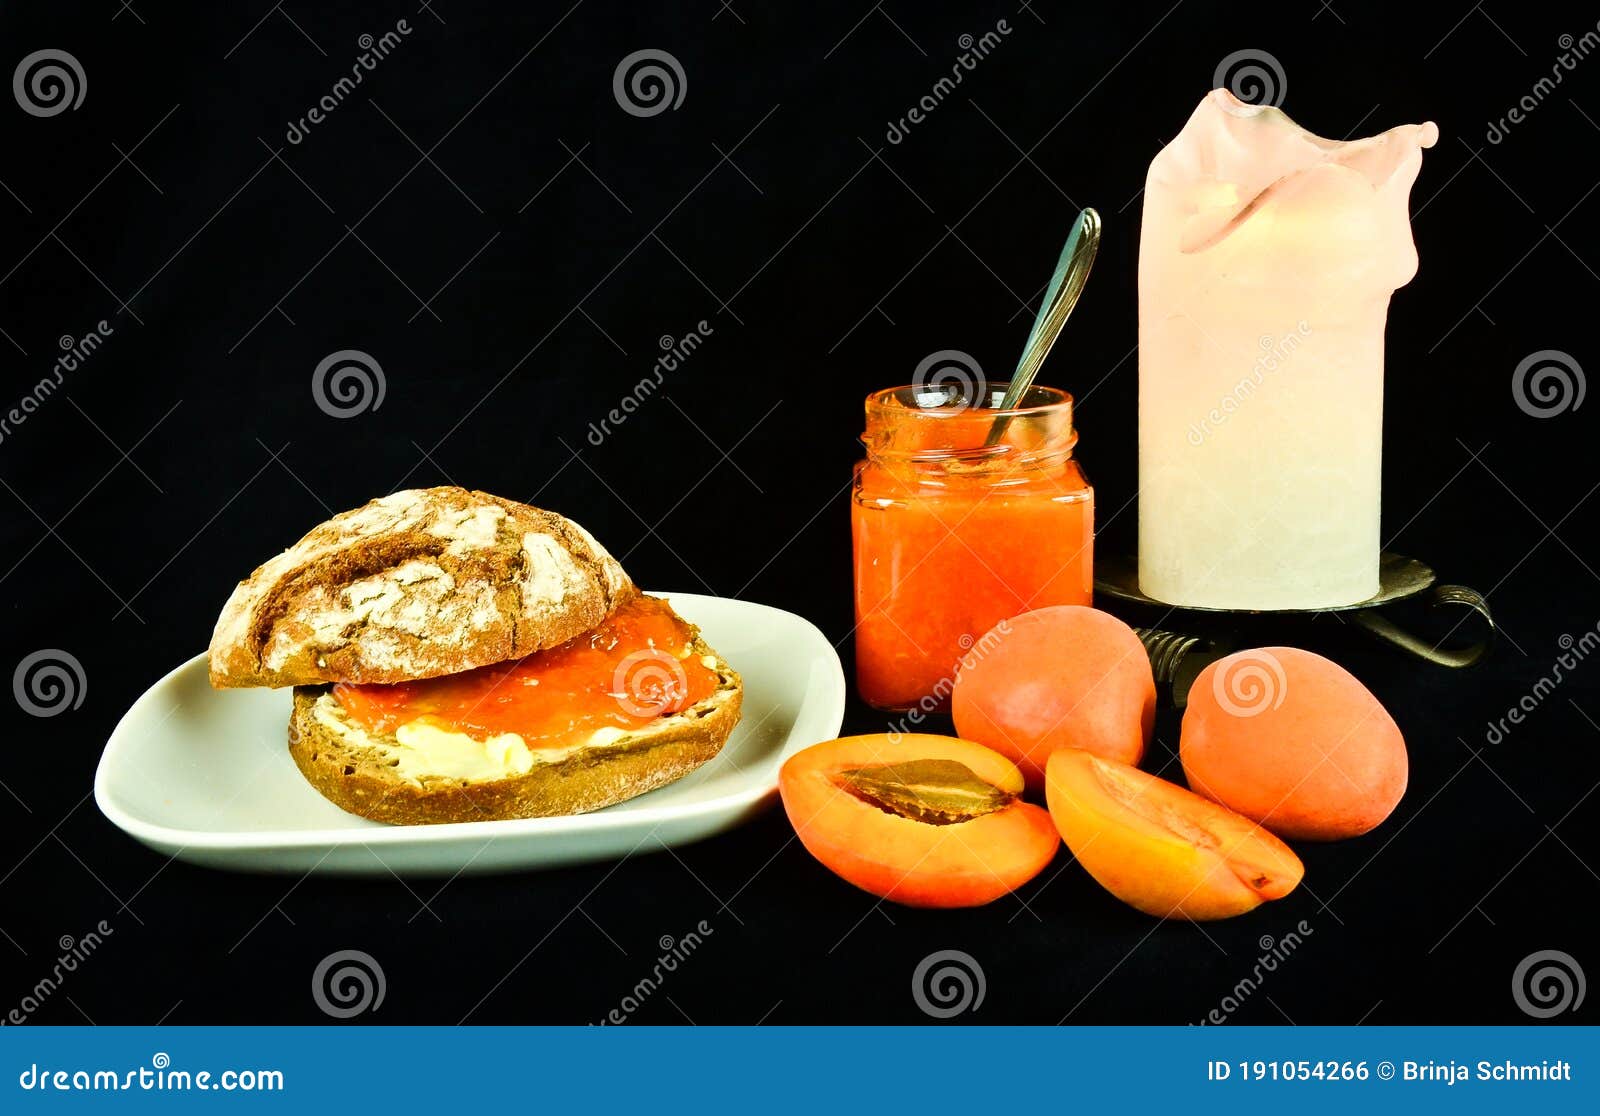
point(953, 536)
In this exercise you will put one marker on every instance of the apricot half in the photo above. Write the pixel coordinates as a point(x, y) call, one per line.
point(1061, 677)
point(928, 821)
point(1160, 848)
point(1294, 741)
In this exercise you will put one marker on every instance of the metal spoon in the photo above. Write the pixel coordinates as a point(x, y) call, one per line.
point(1066, 285)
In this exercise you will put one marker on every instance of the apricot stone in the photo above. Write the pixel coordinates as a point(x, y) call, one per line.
point(1061, 677)
point(1160, 848)
point(1294, 741)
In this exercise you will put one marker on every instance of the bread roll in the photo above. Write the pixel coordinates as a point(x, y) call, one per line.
point(415, 584)
point(378, 777)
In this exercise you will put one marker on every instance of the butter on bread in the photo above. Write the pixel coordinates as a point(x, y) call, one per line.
point(416, 584)
point(415, 782)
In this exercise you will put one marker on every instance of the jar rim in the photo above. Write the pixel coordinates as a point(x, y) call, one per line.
point(942, 401)
point(939, 423)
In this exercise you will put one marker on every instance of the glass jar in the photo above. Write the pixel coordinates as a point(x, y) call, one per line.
point(952, 536)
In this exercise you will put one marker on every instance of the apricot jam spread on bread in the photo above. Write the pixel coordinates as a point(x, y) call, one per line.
point(635, 667)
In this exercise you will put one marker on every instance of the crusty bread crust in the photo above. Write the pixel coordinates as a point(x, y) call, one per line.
point(415, 584)
point(359, 779)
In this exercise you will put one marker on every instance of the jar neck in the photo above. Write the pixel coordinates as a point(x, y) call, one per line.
point(908, 429)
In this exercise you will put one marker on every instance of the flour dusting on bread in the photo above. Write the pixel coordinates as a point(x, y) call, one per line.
point(415, 584)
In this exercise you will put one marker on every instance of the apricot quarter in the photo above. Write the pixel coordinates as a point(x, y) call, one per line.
point(1160, 848)
point(1061, 677)
point(1294, 741)
point(928, 821)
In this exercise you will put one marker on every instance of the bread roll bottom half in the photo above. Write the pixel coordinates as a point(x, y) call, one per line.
point(423, 773)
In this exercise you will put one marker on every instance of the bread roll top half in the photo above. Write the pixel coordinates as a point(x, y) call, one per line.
point(416, 584)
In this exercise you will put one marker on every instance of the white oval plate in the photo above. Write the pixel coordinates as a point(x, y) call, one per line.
point(205, 776)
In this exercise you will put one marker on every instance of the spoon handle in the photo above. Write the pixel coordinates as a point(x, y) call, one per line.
point(1066, 285)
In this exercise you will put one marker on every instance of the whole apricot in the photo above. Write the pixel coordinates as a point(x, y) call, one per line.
point(1068, 676)
point(1294, 741)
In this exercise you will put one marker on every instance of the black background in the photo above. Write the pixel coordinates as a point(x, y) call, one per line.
point(828, 262)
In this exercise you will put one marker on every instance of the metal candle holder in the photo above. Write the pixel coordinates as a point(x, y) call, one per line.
point(1182, 640)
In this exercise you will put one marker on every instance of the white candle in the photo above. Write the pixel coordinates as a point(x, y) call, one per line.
point(1266, 261)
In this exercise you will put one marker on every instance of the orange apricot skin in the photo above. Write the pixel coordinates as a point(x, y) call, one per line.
point(1068, 676)
point(1308, 752)
point(1160, 848)
point(966, 864)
